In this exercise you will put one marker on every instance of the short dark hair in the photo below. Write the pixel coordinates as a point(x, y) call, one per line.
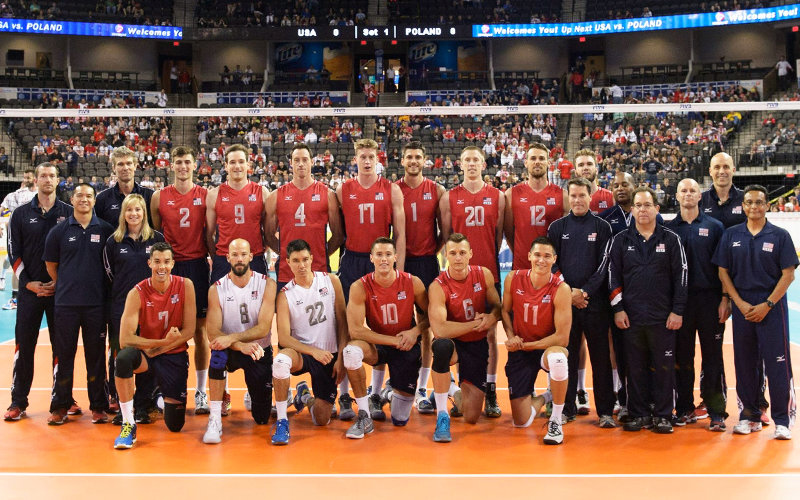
point(297, 246)
point(94, 191)
point(543, 240)
point(162, 246)
point(646, 189)
point(301, 145)
point(237, 147)
point(456, 238)
point(46, 164)
point(756, 187)
point(412, 145)
point(183, 151)
point(539, 146)
point(580, 181)
point(28, 171)
point(383, 240)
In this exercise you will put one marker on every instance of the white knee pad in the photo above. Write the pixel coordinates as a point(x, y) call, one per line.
point(558, 366)
point(401, 409)
point(281, 367)
point(353, 357)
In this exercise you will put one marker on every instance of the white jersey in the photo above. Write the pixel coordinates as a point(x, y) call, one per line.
point(312, 312)
point(16, 199)
point(240, 306)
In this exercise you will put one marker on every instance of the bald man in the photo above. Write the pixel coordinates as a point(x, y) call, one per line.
point(706, 311)
point(723, 201)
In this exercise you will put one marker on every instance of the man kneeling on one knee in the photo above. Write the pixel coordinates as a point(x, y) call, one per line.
point(537, 317)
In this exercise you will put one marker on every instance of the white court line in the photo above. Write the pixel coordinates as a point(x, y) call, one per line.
point(794, 306)
point(399, 476)
point(245, 388)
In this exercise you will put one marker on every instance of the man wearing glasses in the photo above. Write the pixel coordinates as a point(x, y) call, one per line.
point(756, 266)
point(644, 254)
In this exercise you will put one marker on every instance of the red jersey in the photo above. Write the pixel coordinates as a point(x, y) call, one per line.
point(475, 216)
point(566, 167)
point(303, 214)
point(367, 213)
point(420, 206)
point(533, 213)
point(183, 221)
point(602, 199)
point(533, 308)
point(159, 312)
point(464, 299)
point(239, 216)
point(390, 310)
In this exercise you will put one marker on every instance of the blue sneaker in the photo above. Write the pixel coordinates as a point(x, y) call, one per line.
point(442, 432)
point(126, 438)
point(281, 435)
point(301, 390)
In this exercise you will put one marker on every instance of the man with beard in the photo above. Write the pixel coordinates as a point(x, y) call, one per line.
point(11, 202)
point(586, 167)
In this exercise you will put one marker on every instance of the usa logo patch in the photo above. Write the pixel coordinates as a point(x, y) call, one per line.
point(95, 238)
point(401, 295)
point(379, 196)
point(661, 248)
point(323, 291)
point(477, 287)
point(487, 201)
point(546, 299)
point(768, 247)
point(197, 202)
point(592, 237)
point(427, 196)
point(315, 197)
point(551, 201)
point(737, 210)
point(174, 298)
point(252, 197)
point(254, 295)
point(703, 231)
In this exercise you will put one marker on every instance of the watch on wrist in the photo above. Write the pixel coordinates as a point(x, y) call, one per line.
point(770, 304)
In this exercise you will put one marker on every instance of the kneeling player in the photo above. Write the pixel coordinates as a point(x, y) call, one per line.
point(537, 316)
point(312, 328)
point(240, 309)
point(380, 315)
point(459, 300)
point(163, 309)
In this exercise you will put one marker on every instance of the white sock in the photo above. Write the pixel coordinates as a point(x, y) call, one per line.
point(615, 377)
point(441, 401)
point(422, 380)
point(215, 409)
point(453, 388)
point(491, 378)
point(202, 375)
point(127, 411)
point(377, 380)
point(363, 404)
point(581, 380)
point(556, 416)
point(344, 386)
point(281, 406)
point(226, 384)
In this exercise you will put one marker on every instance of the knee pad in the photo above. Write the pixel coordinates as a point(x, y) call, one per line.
point(352, 356)
point(442, 350)
point(219, 360)
point(174, 416)
point(260, 413)
point(282, 367)
point(559, 370)
point(401, 409)
point(128, 360)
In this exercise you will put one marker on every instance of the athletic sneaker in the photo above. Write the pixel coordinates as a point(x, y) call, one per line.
point(11, 304)
point(74, 409)
point(701, 411)
point(302, 390)
point(126, 438)
point(281, 435)
point(746, 427)
point(14, 413)
point(783, 433)
point(99, 417)
point(582, 402)
point(455, 411)
point(226, 404)
point(423, 405)
point(662, 425)
point(623, 415)
point(636, 424)
point(442, 432)
point(565, 419)
point(492, 409)
point(201, 403)
point(376, 407)
point(682, 420)
point(248, 403)
point(346, 407)
point(142, 416)
point(617, 407)
point(363, 425)
point(606, 422)
point(764, 416)
point(117, 419)
point(213, 433)
point(113, 404)
point(554, 434)
point(717, 424)
point(57, 417)
point(386, 393)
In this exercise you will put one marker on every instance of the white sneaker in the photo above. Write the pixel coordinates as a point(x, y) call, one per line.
point(248, 404)
point(746, 427)
point(554, 433)
point(201, 403)
point(213, 433)
point(783, 433)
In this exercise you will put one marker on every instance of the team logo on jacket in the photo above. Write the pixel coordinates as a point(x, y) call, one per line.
point(427, 196)
point(592, 237)
point(736, 244)
point(34, 221)
point(379, 196)
point(487, 201)
point(174, 298)
point(95, 238)
point(703, 231)
point(736, 210)
point(115, 207)
point(323, 292)
point(123, 251)
point(315, 197)
point(60, 219)
point(707, 210)
point(603, 204)
point(661, 248)
point(401, 295)
point(252, 197)
point(768, 247)
point(631, 248)
point(565, 236)
point(551, 201)
point(197, 202)
point(147, 249)
point(476, 287)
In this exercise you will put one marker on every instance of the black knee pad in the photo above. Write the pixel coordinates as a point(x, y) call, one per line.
point(442, 352)
point(128, 360)
point(174, 416)
point(217, 374)
point(261, 413)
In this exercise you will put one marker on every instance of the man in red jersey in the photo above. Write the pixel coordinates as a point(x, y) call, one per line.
point(537, 317)
point(476, 210)
point(162, 310)
point(381, 318)
point(179, 211)
point(236, 209)
point(532, 206)
point(423, 239)
point(586, 167)
point(464, 306)
point(302, 210)
point(372, 207)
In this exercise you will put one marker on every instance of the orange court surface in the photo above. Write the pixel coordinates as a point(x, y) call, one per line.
point(485, 461)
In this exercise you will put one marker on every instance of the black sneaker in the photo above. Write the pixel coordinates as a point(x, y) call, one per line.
point(142, 416)
point(632, 425)
point(492, 409)
point(117, 419)
point(662, 425)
